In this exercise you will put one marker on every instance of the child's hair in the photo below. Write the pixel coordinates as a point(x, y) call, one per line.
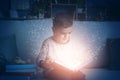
point(62, 20)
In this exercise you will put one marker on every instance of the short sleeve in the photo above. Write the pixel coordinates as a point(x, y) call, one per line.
point(43, 51)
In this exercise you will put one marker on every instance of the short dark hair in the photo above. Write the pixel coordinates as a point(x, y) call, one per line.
point(62, 20)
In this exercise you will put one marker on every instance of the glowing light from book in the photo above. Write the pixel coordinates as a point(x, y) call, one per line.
point(73, 58)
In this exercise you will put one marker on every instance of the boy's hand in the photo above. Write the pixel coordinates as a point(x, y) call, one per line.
point(47, 64)
point(48, 61)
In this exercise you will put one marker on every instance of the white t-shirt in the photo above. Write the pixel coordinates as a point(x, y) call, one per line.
point(66, 55)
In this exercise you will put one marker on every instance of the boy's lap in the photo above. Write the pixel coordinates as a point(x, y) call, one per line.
point(55, 75)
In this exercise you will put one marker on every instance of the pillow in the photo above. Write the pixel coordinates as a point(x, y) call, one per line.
point(8, 47)
point(114, 53)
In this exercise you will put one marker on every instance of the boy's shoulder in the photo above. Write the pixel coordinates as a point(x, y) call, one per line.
point(47, 40)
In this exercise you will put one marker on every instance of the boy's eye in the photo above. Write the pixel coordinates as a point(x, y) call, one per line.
point(64, 33)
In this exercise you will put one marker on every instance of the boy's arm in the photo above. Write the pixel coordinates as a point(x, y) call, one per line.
point(41, 59)
point(45, 64)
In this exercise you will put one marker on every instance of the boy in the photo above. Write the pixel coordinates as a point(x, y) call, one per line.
point(55, 46)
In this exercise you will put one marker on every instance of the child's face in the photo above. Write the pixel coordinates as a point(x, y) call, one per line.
point(62, 35)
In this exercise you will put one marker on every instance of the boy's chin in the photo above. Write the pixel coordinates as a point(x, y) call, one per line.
point(64, 42)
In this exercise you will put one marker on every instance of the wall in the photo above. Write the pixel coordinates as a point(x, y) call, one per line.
point(31, 33)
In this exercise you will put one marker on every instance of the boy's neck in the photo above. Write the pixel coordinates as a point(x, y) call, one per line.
point(55, 40)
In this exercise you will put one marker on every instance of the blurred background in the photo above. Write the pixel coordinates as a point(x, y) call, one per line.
point(90, 10)
point(24, 24)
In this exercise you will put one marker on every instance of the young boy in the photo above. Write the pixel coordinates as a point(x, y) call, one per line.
point(58, 45)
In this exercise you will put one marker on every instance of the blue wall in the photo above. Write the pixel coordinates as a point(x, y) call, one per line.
point(31, 33)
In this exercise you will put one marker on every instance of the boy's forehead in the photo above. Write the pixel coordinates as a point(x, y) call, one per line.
point(65, 29)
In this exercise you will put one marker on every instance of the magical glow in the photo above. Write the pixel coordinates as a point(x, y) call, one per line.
point(74, 58)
